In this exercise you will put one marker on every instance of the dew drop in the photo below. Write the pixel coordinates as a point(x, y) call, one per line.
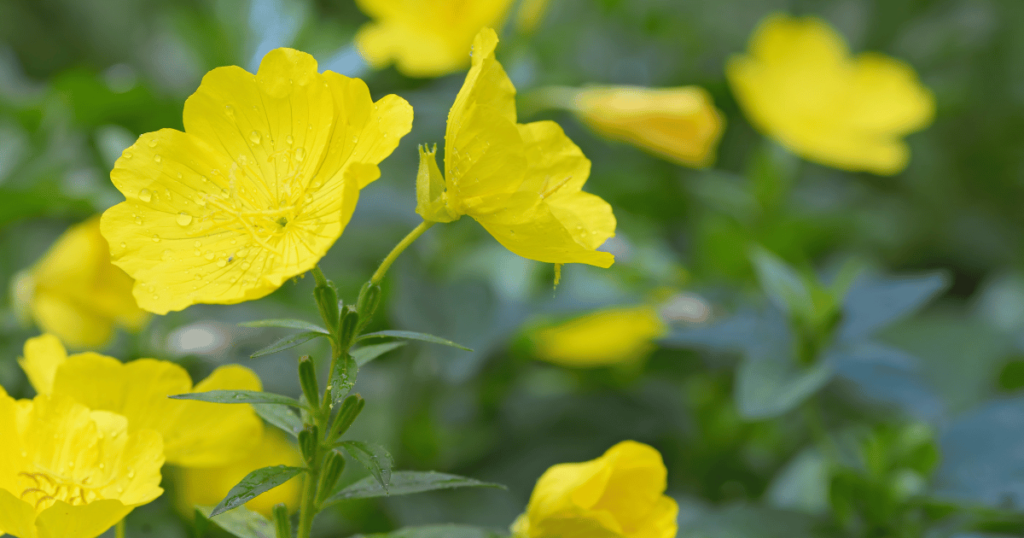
point(208, 255)
point(179, 175)
point(103, 466)
point(255, 137)
point(242, 160)
point(204, 178)
point(145, 195)
point(124, 245)
point(127, 155)
point(300, 154)
point(197, 244)
point(222, 262)
point(229, 111)
point(156, 238)
point(167, 255)
point(289, 140)
point(184, 219)
point(152, 142)
point(157, 158)
point(245, 266)
point(138, 220)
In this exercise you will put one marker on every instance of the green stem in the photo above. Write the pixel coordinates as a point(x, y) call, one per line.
point(119, 529)
point(306, 509)
point(401, 246)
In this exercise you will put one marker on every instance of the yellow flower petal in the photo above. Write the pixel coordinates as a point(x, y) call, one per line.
point(195, 433)
point(206, 487)
point(254, 191)
point(520, 182)
point(425, 38)
point(75, 292)
point(619, 495)
point(73, 472)
point(799, 85)
point(43, 355)
point(680, 124)
point(601, 338)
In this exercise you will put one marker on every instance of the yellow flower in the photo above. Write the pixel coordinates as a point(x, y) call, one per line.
point(619, 495)
point(679, 124)
point(601, 338)
point(799, 85)
point(68, 472)
point(520, 182)
point(195, 434)
point(425, 38)
point(75, 292)
point(258, 187)
point(206, 487)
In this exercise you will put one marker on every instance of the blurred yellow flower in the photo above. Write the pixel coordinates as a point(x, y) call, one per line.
point(195, 434)
point(602, 338)
point(679, 124)
point(74, 291)
point(799, 85)
point(206, 487)
point(68, 472)
point(530, 14)
point(258, 187)
point(619, 495)
point(522, 183)
point(425, 38)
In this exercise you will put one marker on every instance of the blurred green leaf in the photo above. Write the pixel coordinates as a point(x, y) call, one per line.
point(253, 485)
point(438, 531)
point(374, 458)
point(366, 354)
point(286, 323)
point(288, 342)
point(240, 522)
point(280, 416)
point(240, 397)
point(409, 335)
point(407, 483)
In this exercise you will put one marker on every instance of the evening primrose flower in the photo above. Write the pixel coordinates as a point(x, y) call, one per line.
point(206, 487)
point(601, 338)
point(619, 495)
point(520, 182)
point(74, 291)
point(425, 38)
point(258, 187)
point(195, 434)
point(679, 124)
point(68, 472)
point(799, 85)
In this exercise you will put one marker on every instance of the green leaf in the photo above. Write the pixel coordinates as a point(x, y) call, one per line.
point(375, 458)
point(241, 522)
point(255, 484)
point(438, 531)
point(287, 324)
point(770, 384)
point(240, 397)
point(280, 416)
point(343, 378)
point(288, 342)
point(366, 354)
point(782, 284)
point(407, 483)
point(876, 302)
point(409, 335)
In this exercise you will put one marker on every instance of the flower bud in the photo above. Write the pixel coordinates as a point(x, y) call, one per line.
point(309, 441)
point(282, 521)
point(307, 378)
point(369, 298)
point(350, 409)
point(349, 327)
point(327, 302)
point(333, 467)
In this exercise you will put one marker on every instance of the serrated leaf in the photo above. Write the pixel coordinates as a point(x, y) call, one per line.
point(407, 483)
point(366, 354)
point(280, 416)
point(873, 302)
point(287, 342)
point(438, 531)
point(240, 522)
point(254, 484)
point(781, 283)
point(410, 335)
point(287, 324)
point(240, 397)
point(343, 378)
point(375, 458)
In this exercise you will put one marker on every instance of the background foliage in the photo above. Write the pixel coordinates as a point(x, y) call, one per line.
point(911, 423)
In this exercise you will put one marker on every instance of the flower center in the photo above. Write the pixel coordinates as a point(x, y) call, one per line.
point(44, 488)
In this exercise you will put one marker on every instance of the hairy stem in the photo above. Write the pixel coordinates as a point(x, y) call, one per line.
point(401, 246)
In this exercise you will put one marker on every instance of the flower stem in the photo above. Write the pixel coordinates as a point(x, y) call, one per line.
point(119, 529)
point(401, 246)
point(307, 510)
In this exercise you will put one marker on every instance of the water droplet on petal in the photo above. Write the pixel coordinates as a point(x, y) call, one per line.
point(184, 219)
point(208, 255)
point(229, 111)
point(157, 158)
point(145, 195)
point(127, 155)
point(255, 137)
point(300, 154)
point(204, 179)
point(156, 238)
point(152, 142)
point(222, 262)
point(289, 140)
point(138, 220)
point(124, 245)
